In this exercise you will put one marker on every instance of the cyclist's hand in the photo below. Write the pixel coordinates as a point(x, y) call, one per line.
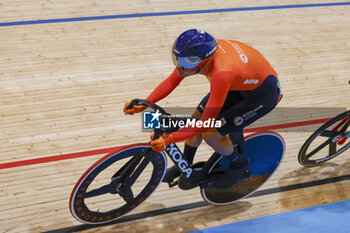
point(161, 143)
point(134, 109)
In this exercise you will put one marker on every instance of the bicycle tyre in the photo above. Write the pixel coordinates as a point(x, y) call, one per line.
point(303, 155)
point(81, 211)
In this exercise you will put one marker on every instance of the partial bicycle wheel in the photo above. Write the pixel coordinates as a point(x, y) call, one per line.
point(326, 142)
point(117, 184)
point(265, 151)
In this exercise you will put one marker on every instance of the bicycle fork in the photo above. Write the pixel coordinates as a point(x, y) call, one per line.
point(124, 178)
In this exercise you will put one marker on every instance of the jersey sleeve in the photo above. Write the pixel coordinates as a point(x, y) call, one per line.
point(220, 85)
point(165, 87)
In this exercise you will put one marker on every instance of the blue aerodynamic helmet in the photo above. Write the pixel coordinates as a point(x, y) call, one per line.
point(192, 49)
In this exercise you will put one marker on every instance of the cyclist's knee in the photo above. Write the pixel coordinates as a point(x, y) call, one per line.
point(211, 137)
point(220, 144)
point(194, 141)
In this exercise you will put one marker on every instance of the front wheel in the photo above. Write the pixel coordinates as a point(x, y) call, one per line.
point(326, 142)
point(117, 183)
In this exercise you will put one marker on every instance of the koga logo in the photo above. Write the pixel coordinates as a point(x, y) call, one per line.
point(250, 81)
point(211, 51)
point(176, 155)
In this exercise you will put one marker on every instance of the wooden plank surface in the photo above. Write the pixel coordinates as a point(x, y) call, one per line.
point(63, 86)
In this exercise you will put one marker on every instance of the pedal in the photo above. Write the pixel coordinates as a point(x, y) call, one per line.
point(209, 182)
point(173, 184)
point(194, 181)
point(185, 184)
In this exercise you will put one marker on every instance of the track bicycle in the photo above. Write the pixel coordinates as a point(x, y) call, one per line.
point(123, 179)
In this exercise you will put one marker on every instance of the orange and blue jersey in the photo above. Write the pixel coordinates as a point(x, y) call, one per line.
point(235, 66)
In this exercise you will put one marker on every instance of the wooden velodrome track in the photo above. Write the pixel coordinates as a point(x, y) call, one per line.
point(63, 86)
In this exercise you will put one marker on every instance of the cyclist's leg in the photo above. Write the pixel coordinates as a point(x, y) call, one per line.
point(212, 136)
point(191, 144)
point(193, 141)
point(255, 105)
point(219, 140)
point(221, 144)
point(226, 146)
point(190, 149)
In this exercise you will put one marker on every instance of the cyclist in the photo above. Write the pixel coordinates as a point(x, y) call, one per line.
point(243, 88)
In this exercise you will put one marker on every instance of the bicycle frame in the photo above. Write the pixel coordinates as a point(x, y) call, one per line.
point(134, 166)
point(172, 150)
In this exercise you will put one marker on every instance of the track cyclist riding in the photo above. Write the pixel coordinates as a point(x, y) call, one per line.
point(243, 88)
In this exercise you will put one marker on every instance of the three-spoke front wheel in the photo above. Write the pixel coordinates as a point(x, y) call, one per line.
point(326, 142)
point(117, 184)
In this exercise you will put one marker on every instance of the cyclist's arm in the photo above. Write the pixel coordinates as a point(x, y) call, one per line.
point(165, 87)
point(220, 85)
